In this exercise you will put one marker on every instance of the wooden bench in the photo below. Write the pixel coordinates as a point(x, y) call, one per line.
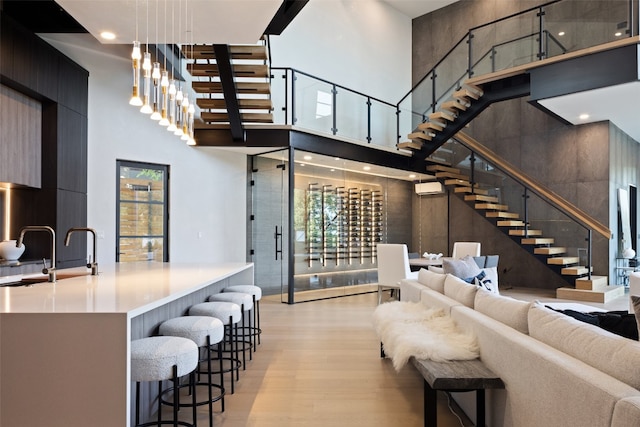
point(457, 376)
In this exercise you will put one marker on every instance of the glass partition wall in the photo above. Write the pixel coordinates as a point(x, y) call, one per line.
point(317, 238)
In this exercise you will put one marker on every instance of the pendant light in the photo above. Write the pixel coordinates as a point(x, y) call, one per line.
point(146, 68)
point(136, 56)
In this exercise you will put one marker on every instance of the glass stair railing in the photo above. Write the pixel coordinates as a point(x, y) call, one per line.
point(536, 34)
point(547, 226)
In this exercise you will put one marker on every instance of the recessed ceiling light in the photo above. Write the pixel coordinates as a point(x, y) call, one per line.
point(336, 158)
point(413, 175)
point(307, 157)
point(561, 33)
point(302, 164)
point(583, 116)
point(618, 34)
point(367, 168)
point(107, 35)
point(333, 170)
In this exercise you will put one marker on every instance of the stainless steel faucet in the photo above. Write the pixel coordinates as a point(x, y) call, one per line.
point(92, 265)
point(51, 271)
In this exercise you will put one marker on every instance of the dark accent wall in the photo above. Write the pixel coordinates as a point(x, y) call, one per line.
point(33, 67)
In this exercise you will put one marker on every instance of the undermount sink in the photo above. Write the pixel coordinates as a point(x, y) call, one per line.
point(32, 280)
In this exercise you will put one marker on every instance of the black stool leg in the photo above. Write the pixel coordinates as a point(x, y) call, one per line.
point(176, 397)
point(222, 373)
point(209, 380)
point(137, 403)
point(257, 313)
point(159, 404)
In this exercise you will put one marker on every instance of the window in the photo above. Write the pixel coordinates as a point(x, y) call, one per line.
point(142, 217)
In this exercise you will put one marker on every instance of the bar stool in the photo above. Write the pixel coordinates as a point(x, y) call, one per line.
point(245, 301)
point(205, 331)
point(159, 359)
point(256, 293)
point(230, 315)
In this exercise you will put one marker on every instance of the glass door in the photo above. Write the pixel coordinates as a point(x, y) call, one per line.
point(142, 204)
point(269, 222)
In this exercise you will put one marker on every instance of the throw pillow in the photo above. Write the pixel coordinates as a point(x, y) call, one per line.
point(481, 280)
point(635, 300)
point(461, 268)
point(492, 274)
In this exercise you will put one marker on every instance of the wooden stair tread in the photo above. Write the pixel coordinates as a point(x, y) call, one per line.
point(538, 241)
point(510, 223)
point(419, 135)
point(241, 87)
point(465, 93)
point(239, 70)
point(522, 232)
point(501, 214)
point(603, 296)
point(550, 250)
point(429, 126)
point(442, 168)
point(246, 117)
point(452, 175)
point(480, 198)
point(577, 270)
point(491, 206)
point(458, 181)
point(473, 88)
point(203, 51)
point(410, 145)
point(243, 103)
point(467, 189)
point(593, 284)
point(566, 260)
point(455, 105)
point(442, 116)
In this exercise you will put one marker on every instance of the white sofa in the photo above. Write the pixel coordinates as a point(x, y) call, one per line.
point(557, 371)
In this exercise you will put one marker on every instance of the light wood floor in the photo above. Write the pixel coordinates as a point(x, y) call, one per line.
point(319, 365)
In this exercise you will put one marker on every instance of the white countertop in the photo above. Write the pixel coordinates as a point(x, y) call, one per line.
point(131, 288)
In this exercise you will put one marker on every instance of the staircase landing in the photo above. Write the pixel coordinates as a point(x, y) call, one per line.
point(603, 295)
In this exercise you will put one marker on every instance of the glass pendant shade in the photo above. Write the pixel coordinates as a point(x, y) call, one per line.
point(179, 118)
point(135, 59)
point(172, 107)
point(185, 118)
point(146, 68)
point(164, 86)
point(155, 76)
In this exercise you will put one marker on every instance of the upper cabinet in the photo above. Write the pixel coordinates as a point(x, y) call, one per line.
point(20, 139)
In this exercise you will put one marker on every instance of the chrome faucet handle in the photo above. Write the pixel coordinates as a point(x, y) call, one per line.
point(45, 270)
point(89, 261)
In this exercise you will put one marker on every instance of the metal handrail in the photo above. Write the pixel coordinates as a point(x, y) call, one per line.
point(554, 199)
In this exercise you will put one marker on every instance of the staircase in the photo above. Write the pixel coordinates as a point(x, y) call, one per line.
point(232, 83)
point(450, 110)
point(592, 289)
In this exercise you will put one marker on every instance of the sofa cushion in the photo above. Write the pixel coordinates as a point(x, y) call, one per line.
point(511, 312)
point(610, 353)
point(463, 268)
point(635, 302)
point(436, 269)
point(460, 290)
point(432, 280)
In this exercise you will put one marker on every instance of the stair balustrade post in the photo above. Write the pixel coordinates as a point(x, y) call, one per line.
point(541, 40)
point(334, 93)
point(589, 239)
point(434, 98)
point(525, 197)
point(472, 180)
point(369, 119)
point(470, 56)
point(294, 119)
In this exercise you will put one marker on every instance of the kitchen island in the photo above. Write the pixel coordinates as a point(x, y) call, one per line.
point(64, 346)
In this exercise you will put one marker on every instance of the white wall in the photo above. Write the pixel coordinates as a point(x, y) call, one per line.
point(207, 186)
point(364, 45)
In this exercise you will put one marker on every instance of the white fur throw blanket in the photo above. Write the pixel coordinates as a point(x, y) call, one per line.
point(412, 329)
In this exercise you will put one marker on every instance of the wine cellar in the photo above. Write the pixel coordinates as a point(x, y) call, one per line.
point(343, 224)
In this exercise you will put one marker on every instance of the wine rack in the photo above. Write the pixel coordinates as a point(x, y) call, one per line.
point(343, 225)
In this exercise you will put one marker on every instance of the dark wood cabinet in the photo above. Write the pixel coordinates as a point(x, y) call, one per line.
point(33, 67)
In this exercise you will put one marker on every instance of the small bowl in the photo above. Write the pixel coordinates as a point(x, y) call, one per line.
point(9, 251)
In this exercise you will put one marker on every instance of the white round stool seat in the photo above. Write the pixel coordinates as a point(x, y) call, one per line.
point(153, 358)
point(195, 328)
point(219, 309)
point(239, 298)
point(256, 291)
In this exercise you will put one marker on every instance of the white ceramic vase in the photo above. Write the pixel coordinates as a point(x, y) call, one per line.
point(9, 252)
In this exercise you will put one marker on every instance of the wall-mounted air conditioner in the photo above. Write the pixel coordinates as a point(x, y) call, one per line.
point(431, 187)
